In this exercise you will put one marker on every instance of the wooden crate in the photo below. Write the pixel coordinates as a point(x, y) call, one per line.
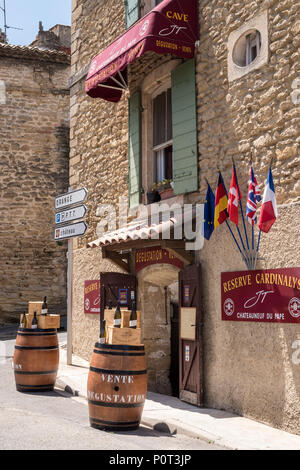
point(125, 315)
point(35, 307)
point(125, 336)
point(126, 318)
point(44, 322)
point(48, 321)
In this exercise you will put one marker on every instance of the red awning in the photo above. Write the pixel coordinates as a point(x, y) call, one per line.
point(170, 28)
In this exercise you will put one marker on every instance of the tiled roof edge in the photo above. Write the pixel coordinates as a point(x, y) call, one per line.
point(29, 52)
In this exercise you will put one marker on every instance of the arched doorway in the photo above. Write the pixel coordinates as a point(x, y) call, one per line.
point(158, 298)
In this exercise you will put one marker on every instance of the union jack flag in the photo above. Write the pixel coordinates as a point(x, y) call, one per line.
point(253, 198)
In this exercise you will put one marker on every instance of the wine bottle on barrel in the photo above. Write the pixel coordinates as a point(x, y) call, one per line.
point(117, 316)
point(44, 307)
point(34, 323)
point(23, 321)
point(133, 316)
point(102, 338)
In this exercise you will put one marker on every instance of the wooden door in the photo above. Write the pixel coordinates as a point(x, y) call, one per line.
point(114, 287)
point(190, 338)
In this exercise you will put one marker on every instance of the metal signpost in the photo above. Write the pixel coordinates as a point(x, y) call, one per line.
point(64, 230)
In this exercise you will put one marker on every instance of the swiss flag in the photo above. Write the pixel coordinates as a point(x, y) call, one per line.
point(233, 200)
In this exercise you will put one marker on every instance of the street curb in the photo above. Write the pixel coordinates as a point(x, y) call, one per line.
point(66, 388)
point(170, 428)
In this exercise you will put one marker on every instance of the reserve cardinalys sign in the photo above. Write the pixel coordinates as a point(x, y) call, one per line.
point(271, 295)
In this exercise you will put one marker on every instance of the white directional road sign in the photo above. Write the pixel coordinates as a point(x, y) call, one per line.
point(70, 199)
point(70, 231)
point(69, 215)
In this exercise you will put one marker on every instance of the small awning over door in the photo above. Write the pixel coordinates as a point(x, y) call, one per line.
point(170, 28)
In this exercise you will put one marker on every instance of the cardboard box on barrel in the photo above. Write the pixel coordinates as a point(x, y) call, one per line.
point(123, 335)
point(44, 321)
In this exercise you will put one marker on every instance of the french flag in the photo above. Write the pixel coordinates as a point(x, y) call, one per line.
point(268, 213)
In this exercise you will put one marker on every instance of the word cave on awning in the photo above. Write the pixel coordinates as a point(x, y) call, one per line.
point(170, 28)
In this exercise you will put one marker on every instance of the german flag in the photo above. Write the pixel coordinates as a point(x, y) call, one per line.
point(221, 203)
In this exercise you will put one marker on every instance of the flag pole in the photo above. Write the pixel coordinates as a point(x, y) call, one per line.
point(257, 248)
point(252, 255)
point(236, 242)
point(259, 237)
point(241, 207)
point(240, 201)
point(253, 261)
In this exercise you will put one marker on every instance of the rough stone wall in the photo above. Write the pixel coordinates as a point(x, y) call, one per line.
point(248, 367)
point(98, 156)
point(34, 135)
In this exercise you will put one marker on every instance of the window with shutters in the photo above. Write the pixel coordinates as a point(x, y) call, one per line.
point(136, 9)
point(162, 137)
point(148, 5)
point(163, 132)
point(132, 12)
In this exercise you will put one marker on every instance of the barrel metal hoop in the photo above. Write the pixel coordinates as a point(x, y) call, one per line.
point(25, 372)
point(36, 348)
point(34, 388)
point(114, 423)
point(118, 372)
point(115, 405)
point(34, 334)
point(38, 330)
point(118, 353)
point(123, 347)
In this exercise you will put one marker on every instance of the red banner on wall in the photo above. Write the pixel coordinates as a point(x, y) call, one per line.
point(271, 295)
point(154, 255)
point(92, 297)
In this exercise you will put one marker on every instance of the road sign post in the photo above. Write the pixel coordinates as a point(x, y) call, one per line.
point(71, 212)
point(70, 199)
point(70, 215)
point(70, 231)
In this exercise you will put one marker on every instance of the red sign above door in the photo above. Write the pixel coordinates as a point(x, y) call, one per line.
point(92, 297)
point(155, 255)
point(271, 295)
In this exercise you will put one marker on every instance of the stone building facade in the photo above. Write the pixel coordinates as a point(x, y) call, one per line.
point(246, 112)
point(34, 162)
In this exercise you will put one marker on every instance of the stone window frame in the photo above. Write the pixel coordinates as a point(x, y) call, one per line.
point(156, 82)
point(146, 6)
point(259, 23)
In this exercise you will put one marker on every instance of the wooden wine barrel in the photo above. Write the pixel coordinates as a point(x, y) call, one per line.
point(117, 386)
point(36, 359)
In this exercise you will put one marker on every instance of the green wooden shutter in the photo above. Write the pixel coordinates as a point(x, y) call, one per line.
point(134, 150)
point(185, 155)
point(132, 11)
